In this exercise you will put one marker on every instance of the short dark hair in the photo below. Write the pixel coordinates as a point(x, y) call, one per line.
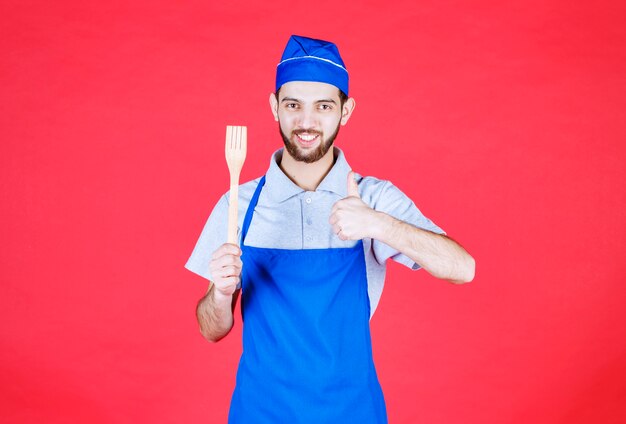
point(342, 96)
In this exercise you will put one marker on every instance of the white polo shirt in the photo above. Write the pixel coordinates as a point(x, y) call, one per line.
point(288, 217)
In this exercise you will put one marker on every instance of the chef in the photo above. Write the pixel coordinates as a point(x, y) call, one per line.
point(315, 238)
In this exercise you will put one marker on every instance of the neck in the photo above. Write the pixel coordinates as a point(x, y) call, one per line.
point(307, 176)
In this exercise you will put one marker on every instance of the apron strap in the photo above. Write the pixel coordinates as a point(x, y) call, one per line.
point(250, 211)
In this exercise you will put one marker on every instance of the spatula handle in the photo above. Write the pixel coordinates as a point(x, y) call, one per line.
point(233, 206)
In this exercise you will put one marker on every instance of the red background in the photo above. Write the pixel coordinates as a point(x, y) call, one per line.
point(504, 121)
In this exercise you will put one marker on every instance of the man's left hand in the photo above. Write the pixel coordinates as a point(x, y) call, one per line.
point(351, 218)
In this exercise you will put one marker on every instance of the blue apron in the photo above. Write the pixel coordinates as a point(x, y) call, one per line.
point(307, 353)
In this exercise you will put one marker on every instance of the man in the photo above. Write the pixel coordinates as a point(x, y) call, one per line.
point(315, 238)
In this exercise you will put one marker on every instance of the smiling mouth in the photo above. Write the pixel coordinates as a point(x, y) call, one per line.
point(307, 139)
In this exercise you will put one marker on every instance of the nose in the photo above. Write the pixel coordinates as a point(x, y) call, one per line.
point(308, 118)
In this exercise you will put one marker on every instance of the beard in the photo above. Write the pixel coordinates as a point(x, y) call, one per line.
point(312, 155)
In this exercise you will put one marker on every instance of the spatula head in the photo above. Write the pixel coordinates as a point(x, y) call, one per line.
point(236, 147)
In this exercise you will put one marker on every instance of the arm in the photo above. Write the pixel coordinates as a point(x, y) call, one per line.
point(215, 310)
point(439, 255)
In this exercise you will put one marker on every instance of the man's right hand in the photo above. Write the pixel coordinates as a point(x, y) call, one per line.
point(225, 269)
point(215, 309)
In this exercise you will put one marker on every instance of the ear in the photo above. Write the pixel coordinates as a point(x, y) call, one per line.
point(274, 106)
point(347, 109)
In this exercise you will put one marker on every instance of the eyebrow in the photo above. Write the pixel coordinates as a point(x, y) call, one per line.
point(291, 99)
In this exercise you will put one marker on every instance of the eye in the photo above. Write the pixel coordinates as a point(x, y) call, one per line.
point(291, 105)
point(325, 106)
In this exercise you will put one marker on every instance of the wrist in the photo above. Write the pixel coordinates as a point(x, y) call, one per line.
point(381, 226)
point(221, 298)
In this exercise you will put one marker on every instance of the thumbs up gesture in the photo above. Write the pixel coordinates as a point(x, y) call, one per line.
point(351, 218)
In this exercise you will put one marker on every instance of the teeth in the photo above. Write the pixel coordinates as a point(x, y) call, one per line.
point(307, 137)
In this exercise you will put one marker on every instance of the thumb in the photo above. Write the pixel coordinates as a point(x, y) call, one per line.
point(353, 187)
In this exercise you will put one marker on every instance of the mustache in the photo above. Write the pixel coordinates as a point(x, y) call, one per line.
point(306, 131)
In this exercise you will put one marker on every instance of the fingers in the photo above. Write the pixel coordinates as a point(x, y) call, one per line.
point(226, 248)
point(333, 218)
point(338, 218)
point(341, 226)
point(341, 233)
point(227, 254)
point(345, 204)
point(226, 267)
point(346, 210)
point(351, 217)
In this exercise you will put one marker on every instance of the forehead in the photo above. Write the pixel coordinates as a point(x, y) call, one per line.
point(309, 91)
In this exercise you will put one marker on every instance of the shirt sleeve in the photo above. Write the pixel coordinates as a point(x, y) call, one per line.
point(394, 202)
point(213, 235)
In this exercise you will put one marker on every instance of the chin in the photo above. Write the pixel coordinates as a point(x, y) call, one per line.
point(308, 155)
point(312, 154)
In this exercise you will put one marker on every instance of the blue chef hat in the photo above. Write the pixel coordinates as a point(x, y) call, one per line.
point(307, 59)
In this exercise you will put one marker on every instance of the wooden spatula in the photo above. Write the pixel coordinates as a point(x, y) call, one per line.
point(236, 146)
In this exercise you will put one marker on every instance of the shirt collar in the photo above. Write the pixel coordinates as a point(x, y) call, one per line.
point(281, 188)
